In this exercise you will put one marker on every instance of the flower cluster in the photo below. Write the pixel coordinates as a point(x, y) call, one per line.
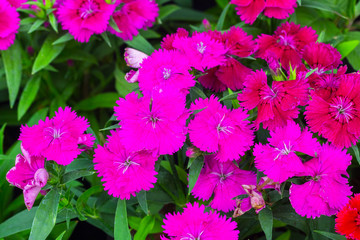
point(10, 20)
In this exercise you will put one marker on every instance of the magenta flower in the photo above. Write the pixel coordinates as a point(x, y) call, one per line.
point(278, 159)
point(337, 117)
point(149, 122)
point(327, 191)
point(279, 9)
point(16, 3)
point(123, 172)
point(202, 50)
point(211, 81)
point(29, 174)
point(286, 45)
point(134, 15)
point(10, 23)
point(219, 130)
point(58, 139)
point(195, 223)
point(165, 69)
point(224, 180)
point(85, 18)
point(167, 42)
point(248, 10)
point(276, 104)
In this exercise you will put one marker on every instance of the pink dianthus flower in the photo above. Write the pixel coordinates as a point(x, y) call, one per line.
point(249, 10)
point(10, 23)
point(279, 9)
point(276, 104)
point(83, 18)
point(327, 190)
point(167, 42)
point(165, 69)
point(337, 117)
point(219, 130)
point(278, 159)
point(57, 139)
point(286, 44)
point(29, 174)
point(224, 180)
point(134, 15)
point(16, 3)
point(123, 172)
point(195, 223)
point(154, 122)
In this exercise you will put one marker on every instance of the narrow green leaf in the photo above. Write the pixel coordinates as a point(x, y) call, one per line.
point(321, 6)
point(45, 216)
point(73, 175)
point(146, 225)
point(102, 100)
point(113, 24)
point(357, 10)
point(266, 222)
point(2, 130)
point(197, 93)
point(13, 70)
point(141, 44)
point(194, 171)
point(220, 23)
point(308, 74)
point(36, 25)
point(105, 36)
point(180, 172)
point(299, 2)
point(141, 197)
point(332, 236)
point(285, 236)
point(81, 203)
point(350, 8)
point(231, 96)
point(115, 126)
point(167, 10)
point(346, 47)
point(28, 96)
point(356, 152)
point(61, 235)
point(64, 38)
point(47, 54)
point(121, 226)
point(53, 22)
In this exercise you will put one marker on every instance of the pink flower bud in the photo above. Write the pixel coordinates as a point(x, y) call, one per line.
point(134, 57)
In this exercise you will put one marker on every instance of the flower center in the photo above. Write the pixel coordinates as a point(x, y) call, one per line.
point(189, 236)
point(166, 73)
point(284, 151)
point(201, 47)
point(88, 8)
point(152, 119)
point(225, 129)
point(125, 165)
point(54, 132)
point(342, 109)
point(285, 39)
point(270, 93)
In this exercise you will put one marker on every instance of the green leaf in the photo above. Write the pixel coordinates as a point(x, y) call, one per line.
point(167, 10)
point(308, 74)
point(36, 25)
point(28, 96)
point(346, 47)
point(196, 93)
point(266, 222)
point(105, 36)
point(141, 197)
point(2, 130)
point(180, 172)
point(113, 25)
point(64, 38)
point(73, 175)
point(47, 53)
point(332, 236)
point(220, 23)
point(81, 203)
point(115, 126)
point(53, 22)
point(13, 69)
point(231, 96)
point(102, 100)
point(141, 44)
point(194, 171)
point(45, 216)
point(61, 235)
point(121, 226)
point(285, 236)
point(321, 6)
point(121, 85)
point(146, 225)
point(350, 9)
point(356, 152)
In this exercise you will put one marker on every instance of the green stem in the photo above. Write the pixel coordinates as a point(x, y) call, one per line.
point(177, 179)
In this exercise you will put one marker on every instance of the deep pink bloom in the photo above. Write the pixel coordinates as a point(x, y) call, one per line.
point(327, 191)
point(29, 174)
point(123, 172)
point(202, 50)
point(347, 219)
point(83, 18)
point(239, 43)
point(224, 180)
point(133, 16)
point(249, 10)
point(286, 45)
point(16, 3)
point(276, 104)
point(210, 80)
point(195, 223)
point(278, 159)
point(154, 122)
point(279, 9)
point(165, 69)
point(10, 23)
point(337, 117)
point(219, 130)
point(132, 76)
point(59, 138)
point(167, 42)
